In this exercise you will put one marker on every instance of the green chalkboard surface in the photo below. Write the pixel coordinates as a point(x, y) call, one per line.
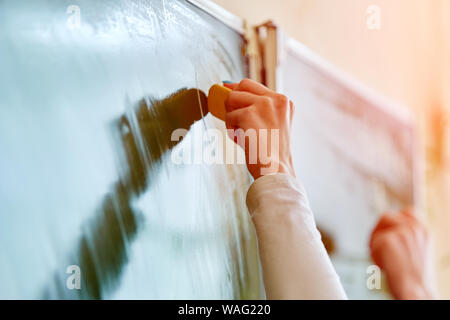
point(93, 201)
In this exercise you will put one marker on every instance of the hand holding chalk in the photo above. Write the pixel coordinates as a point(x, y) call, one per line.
point(255, 109)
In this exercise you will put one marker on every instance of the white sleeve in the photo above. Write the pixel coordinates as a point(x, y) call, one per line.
point(294, 261)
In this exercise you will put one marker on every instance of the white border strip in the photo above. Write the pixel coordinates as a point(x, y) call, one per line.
point(379, 101)
point(226, 17)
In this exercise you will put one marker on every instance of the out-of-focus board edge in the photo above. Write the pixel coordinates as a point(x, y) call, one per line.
point(224, 16)
point(388, 107)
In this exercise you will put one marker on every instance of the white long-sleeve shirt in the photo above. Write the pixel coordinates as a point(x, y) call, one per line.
point(294, 261)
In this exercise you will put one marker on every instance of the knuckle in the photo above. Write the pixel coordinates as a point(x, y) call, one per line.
point(246, 113)
point(231, 97)
point(266, 101)
point(282, 100)
point(244, 82)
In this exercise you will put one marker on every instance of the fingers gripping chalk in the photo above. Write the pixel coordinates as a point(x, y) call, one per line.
point(216, 101)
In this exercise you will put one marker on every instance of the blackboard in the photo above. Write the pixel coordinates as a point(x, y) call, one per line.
point(87, 187)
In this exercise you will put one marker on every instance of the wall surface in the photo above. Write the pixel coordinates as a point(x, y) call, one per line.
point(406, 59)
point(401, 60)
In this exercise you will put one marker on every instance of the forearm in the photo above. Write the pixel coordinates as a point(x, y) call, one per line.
point(294, 261)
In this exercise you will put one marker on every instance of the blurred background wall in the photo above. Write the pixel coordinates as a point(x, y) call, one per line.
point(406, 59)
